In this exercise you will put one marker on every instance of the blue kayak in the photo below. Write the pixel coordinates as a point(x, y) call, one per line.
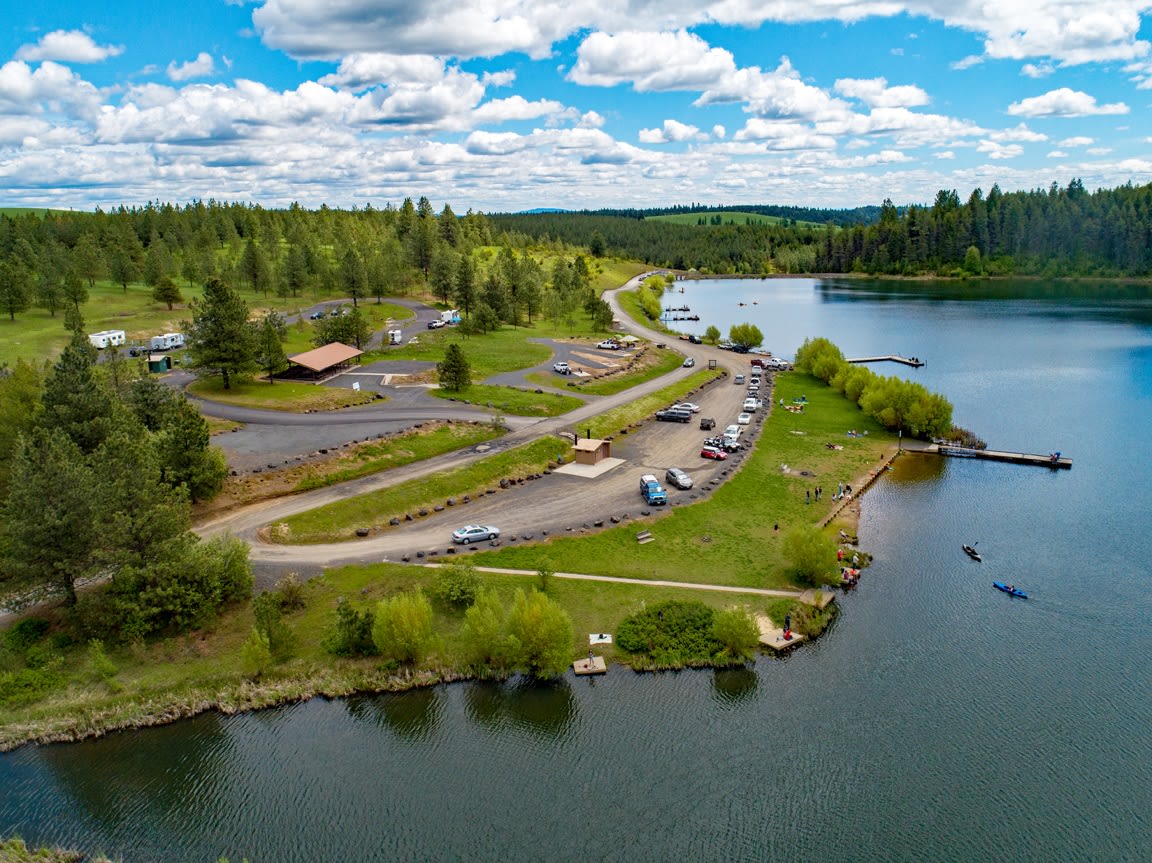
point(1009, 589)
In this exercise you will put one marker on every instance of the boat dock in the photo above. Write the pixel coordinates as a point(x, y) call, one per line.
point(999, 455)
point(915, 362)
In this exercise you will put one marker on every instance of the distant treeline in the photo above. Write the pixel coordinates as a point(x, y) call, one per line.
point(1051, 232)
point(841, 217)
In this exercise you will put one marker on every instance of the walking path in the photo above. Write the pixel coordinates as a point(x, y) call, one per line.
point(643, 582)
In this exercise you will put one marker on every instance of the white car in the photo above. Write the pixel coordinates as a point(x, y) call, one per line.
point(733, 431)
point(687, 406)
point(562, 368)
point(744, 419)
point(475, 533)
point(750, 404)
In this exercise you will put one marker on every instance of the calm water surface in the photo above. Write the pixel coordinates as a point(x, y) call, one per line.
point(939, 720)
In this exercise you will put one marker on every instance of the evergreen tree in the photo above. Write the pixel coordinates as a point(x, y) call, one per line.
point(13, 289)
point(187, 457)
point(220, 339)
point(50, 524)
point(74, 403)
point(465, 284)
point(454, 371)
point(20, 389)
point(270, 345)
point(167, 291)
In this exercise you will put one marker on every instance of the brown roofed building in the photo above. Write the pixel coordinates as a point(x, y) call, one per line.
point(327, 358)
point(591, 450)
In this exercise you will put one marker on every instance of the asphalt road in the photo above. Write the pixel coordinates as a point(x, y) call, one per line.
point(555, 503)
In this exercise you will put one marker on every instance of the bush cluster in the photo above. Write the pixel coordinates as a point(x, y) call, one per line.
point(895, 403)
point(679, 633)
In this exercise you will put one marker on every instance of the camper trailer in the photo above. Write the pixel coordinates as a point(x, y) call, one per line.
point(452, 316)
point(166, 342)
point(395, 337)
point(107, 339)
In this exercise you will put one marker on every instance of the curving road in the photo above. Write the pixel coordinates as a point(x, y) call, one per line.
point(555, 503)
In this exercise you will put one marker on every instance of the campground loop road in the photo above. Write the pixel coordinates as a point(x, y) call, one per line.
point(555, 503)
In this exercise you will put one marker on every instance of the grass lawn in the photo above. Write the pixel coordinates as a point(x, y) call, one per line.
point(730, 538)
point(396, 450)
point(612, 273)
point(511, 400)
point(185, 674)
point(282, 396)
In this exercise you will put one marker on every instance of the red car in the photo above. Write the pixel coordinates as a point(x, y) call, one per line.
point(713, 452)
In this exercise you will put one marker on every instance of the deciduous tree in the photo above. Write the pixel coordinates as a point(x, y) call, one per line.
point(539, 635)
point(402, 629)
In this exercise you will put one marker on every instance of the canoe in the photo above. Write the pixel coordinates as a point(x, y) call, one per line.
point(1009, 589)
point(972, 553)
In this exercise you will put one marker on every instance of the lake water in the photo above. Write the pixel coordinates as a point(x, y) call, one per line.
point(939, 720)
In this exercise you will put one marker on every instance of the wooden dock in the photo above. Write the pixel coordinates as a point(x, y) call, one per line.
point(915, 362)
point(591, 665)
point(1062, 462)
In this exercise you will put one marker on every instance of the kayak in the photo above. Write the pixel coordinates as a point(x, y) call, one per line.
point(972, 552)
point(1009, 589)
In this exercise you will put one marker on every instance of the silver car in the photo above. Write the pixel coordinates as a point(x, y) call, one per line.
point(678, 478)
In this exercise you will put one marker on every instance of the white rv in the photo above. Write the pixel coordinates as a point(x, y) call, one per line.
point(395, 337)
point(166, 342)
point(107, 339)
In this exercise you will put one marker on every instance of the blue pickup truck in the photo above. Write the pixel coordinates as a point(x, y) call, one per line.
point(653, 492)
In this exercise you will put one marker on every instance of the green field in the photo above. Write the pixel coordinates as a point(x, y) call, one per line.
point(729, 218)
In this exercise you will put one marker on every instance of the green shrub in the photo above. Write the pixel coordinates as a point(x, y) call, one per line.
point(22, 635)
point(671, 633)
point(351, 633)
point(456, 585)
point(268, 611)
point(256, 653)
point(736, 631)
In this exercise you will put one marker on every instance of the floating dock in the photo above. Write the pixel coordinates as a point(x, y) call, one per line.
point(915, 362)
point(999, 455)
point(591, 665)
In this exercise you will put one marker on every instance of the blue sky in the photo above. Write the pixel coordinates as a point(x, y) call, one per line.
point(503, 105)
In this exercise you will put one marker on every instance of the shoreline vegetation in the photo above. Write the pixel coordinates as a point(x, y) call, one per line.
point(161, 681)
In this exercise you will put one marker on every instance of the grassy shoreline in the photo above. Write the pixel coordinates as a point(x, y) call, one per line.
point(161, 682)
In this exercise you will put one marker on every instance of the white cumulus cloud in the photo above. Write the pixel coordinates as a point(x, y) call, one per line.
point(201, 67)
point(672, 131)
point(1064, 102)
point(650, 61)
point(875, 93)
point(68, 46)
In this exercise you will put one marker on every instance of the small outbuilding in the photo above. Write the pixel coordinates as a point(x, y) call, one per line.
point(159, 363)
point(329, 358)
point(592, 450)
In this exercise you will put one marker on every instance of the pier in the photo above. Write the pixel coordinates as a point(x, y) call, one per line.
point(915, 362)
point(1000, 455)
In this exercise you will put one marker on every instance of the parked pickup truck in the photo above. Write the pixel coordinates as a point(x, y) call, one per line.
point(652, 491)
point(674, 415)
